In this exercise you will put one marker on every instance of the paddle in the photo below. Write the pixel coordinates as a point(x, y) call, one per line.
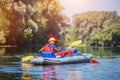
point(94, 61)
point(75, 43)
point(27, 58)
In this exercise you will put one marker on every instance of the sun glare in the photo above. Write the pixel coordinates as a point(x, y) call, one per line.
point(74, 6)
point(74, 3)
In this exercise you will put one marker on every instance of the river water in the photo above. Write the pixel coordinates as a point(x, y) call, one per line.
point(10, 65)
point(108, 68)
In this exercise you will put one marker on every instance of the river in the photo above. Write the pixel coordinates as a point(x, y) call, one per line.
point(10, 64)
point(108, 68)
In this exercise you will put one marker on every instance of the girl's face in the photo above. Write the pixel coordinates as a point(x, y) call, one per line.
point(51, 42)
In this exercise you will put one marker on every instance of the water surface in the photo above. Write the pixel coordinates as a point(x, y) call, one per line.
point(10, 65)
point(107, 69)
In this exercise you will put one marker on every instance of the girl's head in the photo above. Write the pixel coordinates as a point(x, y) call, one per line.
point(51, 41)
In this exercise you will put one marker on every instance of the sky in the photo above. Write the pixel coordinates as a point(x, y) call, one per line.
point(72, 7)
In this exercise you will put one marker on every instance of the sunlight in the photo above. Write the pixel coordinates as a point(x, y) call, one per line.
point(74, 6)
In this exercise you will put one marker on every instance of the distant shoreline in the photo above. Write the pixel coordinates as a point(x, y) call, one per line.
point(8, 46)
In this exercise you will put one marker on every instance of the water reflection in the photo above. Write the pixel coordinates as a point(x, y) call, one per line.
point(10, 66)
point(26, 76)
point(2, 51)
point(73, 73)
point(100, 51)
point(50, 72)
point(38, 72)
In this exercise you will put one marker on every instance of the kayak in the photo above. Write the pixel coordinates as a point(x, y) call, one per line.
point(45, 60)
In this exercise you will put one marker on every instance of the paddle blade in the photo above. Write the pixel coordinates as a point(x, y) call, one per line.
point(27, 58)
point(94, 61)
point(76, 43)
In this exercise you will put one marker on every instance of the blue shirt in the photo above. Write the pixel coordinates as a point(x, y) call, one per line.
point(54, 46)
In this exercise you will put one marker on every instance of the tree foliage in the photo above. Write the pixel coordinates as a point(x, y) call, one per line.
point(3, 27)
point(30, 21)
point(98, 28)
point(26, 22)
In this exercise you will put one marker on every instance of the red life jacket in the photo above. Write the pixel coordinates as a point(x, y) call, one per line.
point(47, 48)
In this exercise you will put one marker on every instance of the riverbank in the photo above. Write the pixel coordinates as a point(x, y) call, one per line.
point(8, 46)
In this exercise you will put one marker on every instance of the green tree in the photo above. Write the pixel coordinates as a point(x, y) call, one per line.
point(30, 21)
point(98, 28)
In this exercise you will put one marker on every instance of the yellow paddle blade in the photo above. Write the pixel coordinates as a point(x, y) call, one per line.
point(27, 58)
point(76, 43)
